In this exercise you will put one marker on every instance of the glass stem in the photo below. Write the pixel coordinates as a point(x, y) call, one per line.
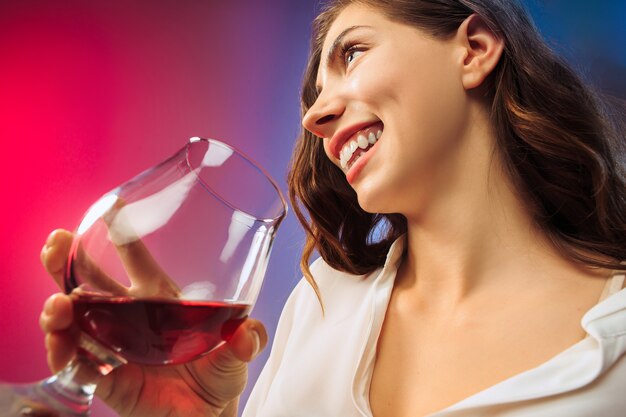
point(72, 389)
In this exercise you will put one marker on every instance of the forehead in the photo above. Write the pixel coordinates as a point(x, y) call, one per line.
point(352, 15)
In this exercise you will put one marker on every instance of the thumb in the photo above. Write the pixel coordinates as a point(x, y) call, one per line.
point(243, 346)
point(221, 376)
point(248, 341)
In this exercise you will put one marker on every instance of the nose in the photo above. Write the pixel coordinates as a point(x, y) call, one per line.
point(321, 117)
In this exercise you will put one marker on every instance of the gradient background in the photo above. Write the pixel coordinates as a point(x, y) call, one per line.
point(91, 93)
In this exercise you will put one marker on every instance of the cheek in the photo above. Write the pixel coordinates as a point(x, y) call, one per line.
point(424, 115)
point(329, 155)
point(419, 88)
point(327, 149)
point(430, 105)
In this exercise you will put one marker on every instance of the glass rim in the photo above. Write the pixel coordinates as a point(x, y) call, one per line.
point(276, 219)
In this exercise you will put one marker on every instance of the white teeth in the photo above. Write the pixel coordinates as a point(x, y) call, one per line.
point(362, 142)
point(345, 156)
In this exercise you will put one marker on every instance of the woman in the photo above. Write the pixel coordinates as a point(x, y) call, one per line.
point(467, 198)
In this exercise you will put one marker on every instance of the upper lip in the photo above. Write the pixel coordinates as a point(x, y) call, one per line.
point(344, 135)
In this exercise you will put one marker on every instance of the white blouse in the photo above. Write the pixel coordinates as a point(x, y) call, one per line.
point(322, 366)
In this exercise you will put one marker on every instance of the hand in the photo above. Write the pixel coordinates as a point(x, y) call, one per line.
point(209, 386)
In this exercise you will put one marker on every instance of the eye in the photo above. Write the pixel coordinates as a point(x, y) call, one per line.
point(350, 52)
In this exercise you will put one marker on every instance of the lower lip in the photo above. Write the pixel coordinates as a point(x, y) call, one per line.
point(360, 163)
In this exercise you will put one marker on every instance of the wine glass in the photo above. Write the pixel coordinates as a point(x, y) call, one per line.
point(162, 270)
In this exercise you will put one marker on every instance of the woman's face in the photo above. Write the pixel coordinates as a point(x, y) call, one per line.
point(391, 109)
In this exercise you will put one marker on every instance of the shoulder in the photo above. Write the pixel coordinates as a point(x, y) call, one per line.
point(337, 289)
point(343, 293)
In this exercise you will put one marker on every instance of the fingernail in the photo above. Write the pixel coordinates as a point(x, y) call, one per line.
point(256, 339)
point(49, 306)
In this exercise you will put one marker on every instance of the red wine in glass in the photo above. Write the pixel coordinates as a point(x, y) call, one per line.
point(158, 331)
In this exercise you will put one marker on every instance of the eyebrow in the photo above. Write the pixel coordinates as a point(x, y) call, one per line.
point(338, 40)
point(330, 56)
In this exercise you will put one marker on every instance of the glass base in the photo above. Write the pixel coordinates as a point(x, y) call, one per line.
point(66, 394)
point(38, 400)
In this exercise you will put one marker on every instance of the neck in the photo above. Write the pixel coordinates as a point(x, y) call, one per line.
point(467, 237)
point(476, 233)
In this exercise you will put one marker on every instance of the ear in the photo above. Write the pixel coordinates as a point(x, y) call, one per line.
point(482, 50)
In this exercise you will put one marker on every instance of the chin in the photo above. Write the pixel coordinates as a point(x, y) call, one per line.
point(391, 195)
point(372, 200)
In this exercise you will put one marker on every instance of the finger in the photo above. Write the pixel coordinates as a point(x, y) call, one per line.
point(85, 268)
point(146, 275)
point(57, 313)
point(221, 376)
point(61, 348)
point(61, 337)
point(55, 252)
point(54, 257)
point(248, 341)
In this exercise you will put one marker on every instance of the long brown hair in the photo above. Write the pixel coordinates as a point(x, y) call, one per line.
point(561, 149)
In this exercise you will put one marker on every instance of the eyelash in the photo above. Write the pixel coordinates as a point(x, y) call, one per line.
point(349, 47)
point(345, 48)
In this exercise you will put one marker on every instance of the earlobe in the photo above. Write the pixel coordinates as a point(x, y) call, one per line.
point(482, 50)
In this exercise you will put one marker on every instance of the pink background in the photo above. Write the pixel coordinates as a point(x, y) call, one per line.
point(91, 93)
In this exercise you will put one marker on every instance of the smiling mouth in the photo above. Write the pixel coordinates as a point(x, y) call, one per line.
point(361, 142)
